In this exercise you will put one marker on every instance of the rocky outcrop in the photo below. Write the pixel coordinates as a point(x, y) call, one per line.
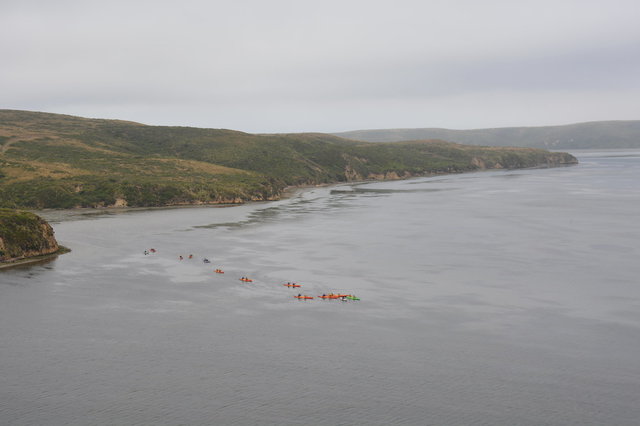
point(560, 158)
point(120, 202)
point(479, 163)
point(24, 235)
point(393, 175)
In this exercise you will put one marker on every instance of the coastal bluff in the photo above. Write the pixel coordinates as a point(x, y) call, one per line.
point(54, 161)
point(24, 235)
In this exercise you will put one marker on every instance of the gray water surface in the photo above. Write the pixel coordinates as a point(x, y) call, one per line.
point(493, 298)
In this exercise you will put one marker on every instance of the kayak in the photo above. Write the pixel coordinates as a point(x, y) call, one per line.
point(329, 296)
point(352, 298)
point(303, 297)
point(292, 285)
point(246, 280)
point(219, 271)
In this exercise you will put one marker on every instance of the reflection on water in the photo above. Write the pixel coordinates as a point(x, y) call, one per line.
point(362, 189)
point(500, 297)
point(56, 216)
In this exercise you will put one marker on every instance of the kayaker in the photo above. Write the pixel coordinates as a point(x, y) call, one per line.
point(181, 257)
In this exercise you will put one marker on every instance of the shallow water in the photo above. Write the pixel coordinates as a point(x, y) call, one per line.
point(507, 297)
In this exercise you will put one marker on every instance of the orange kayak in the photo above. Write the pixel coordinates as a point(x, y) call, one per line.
point(246, 280)
point(329, 296)
point(219, 271)
point(303, 297)
point(292, 285)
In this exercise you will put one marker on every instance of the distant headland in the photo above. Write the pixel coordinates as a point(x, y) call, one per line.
point(591, 135)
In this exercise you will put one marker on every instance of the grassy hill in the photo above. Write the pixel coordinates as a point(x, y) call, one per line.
point(60, 161)
point(593, 135)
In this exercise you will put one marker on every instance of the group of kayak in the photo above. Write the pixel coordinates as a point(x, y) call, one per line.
point(339, 296)
point(343, 297)
point(325, 296)
point(299, 296)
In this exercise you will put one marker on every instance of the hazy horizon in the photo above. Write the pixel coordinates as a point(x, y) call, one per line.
point(284, 66)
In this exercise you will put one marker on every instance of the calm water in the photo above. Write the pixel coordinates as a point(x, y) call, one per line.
point(495, 298)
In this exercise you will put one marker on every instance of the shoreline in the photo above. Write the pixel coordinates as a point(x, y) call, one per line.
point(63, 215)
point(287, 193)
point(35, 259)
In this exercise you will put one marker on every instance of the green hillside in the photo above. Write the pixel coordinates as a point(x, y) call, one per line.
point(593, 135)
point(59, 161)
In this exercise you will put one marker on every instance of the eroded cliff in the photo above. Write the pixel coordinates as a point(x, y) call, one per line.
point(24, 235)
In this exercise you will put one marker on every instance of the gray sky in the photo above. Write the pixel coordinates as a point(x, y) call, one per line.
point(330, 65)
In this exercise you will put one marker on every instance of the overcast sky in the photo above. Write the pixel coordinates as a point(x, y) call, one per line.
point(324, 65)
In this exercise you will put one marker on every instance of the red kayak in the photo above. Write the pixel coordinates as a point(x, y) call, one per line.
point(329, 296)
point(246, 280)
point(292, 285)
point(300, 297)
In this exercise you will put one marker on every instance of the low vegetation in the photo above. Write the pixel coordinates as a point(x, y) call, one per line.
point(58, 161)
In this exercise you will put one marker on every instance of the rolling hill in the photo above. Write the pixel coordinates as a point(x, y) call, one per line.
point(592, 135)
point(59, 161)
